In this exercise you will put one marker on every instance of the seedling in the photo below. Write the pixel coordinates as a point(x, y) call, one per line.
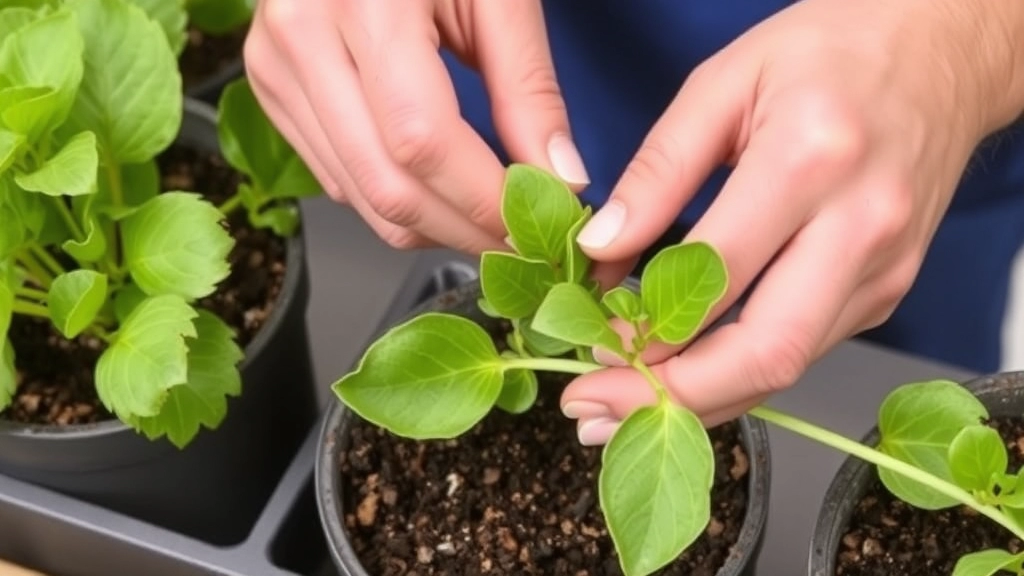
point(87, 240)
point(437, 375)
point(211, 17)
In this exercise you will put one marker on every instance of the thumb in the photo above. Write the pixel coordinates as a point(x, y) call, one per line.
point(526, 102)
point(700, 130)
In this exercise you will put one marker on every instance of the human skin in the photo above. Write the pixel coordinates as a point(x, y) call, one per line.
point(848, 125)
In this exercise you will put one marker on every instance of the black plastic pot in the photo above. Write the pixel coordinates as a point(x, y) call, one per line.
point(215, 488)
point(1002, 394)
point(463, 301)
point(210, 88)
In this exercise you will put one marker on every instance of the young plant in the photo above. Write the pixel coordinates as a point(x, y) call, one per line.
point(437, 375)
point(211, 17)
point(88, 242)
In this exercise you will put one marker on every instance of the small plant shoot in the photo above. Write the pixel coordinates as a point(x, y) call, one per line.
point(88, 242)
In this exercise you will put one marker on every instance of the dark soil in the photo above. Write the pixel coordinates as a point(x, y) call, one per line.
point(55, 375)
point(891, 538)
point(204, 56)
point(516, 495)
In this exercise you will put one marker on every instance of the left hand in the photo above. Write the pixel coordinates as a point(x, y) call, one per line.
point(849, 125)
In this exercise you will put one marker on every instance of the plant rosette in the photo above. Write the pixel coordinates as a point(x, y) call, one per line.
point(970, 436)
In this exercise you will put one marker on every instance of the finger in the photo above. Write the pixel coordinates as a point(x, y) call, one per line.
point(701, 128)
point(415, 108)
point(341, 108)
point(514, 58)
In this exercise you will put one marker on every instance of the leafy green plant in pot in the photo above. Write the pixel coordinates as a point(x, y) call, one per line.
point(518, 473)
point(118, 338)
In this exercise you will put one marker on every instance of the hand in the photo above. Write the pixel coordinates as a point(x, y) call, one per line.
point(848, 125)
point(359, 89)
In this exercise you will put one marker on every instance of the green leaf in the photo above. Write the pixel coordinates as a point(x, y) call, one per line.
point(131, 95)
point(217, 17)
point(10, 145)
point(12, 18)
point(624, 304)
point(282, 220)
point(69, 172)
point(655, 486)
point(917, 423)
point(514, 286)
point(542, 344)
point(147, 357)
point(43, 54)
point(9, 283)
point(518, 392)
point(75, 299)
point(539, 211)
point(30, 110)
point(175, 244)
point(571, 314)
point(975, 455)
point(254, 147)
point(435, 376)
point(172, 18)
point(126, 299)
point(8, 375)
point(94, 246)
point(25, 209)
point(140, 183)
point(679, 287)
point(987, 563)
point(577, 264)
point(213, 357)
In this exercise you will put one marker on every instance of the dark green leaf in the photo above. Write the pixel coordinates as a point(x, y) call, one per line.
point(175, 244)
point(126, 299)
point(213, 376)
point(518, 392)
point(571, 314)
point(172, 18)
point(975, 455)
point(514, 286)
point(539, 211)
point(655, 486)
point(435, 376)
point(9, 283)
point(147, 357)
point(678, 289)
point(69, 172)
point(918, 422)
point(75, 299)
point(139, 184)
point(252, 145)
point(8, 375)
point(987, 563)
point(624, 303)
point(217, 17)
point(131, 98)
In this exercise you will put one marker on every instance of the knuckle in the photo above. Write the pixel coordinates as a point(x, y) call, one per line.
point(415, 143)
point(886, 214)
point(393, 204)
point(282, 18)
point(400, 238)
point(830, 139)
point(540, 83)
point(655, 161)
point(779, 361)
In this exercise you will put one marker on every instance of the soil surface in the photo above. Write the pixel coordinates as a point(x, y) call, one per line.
point(204, 56)
point(891, 538)
point(55, 375)
point(516, 495)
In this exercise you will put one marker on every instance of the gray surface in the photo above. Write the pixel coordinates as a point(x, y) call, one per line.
point(355, 277)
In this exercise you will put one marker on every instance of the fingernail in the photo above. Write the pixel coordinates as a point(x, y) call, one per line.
point(576, 409)
point(566, 160)
point(607, 358)
point(604, 226)
point(597, 431)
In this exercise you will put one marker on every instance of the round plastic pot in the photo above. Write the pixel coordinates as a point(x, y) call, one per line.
point(1002, 394)
point(463, 301)
point(210, 88)
point(215, 488)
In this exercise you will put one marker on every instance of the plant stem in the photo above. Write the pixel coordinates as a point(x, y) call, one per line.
point(231, 204)
point(552, 365)
point(34, 268)
point(46, 259)
point(117, 200)
point(27, 292)
point(656, 384)
point(69, 218)
point(30, 309)
point(854, 448)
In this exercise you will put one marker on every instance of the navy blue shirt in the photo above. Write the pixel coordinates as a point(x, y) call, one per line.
point(620, 63)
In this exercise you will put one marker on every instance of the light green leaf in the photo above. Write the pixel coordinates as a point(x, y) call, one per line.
point(435, 376)
point(217, 17)
point(94, 246)
point(12, 18)
point(126, 299)
point(539, 211)
point(30, 110)
point(9, 283)
point(975, 455)
point(577, 264)
point(10, 146)
point(32, 57)
point(8, 375)
point(175, 244)
point(139, 184)
point(147, 357)
point(679, 287)
point(917, 423)
point(213, 376)
point(26, 210)
point(254, 147)
point(69, 172)
point(542, 344)
point(571, 314)
point(987, 563)
point(75, 299)
point(131, 95)
point(518, 392)
point(514, 286)
point(624, 303)
point(655, 486)
point(281, 220)
point(172, 18)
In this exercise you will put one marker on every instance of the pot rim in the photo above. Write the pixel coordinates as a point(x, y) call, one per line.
point(840, 497)
point(327, 476)
point(295, 268)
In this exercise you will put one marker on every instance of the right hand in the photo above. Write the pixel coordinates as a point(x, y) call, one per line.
point(359, 88)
